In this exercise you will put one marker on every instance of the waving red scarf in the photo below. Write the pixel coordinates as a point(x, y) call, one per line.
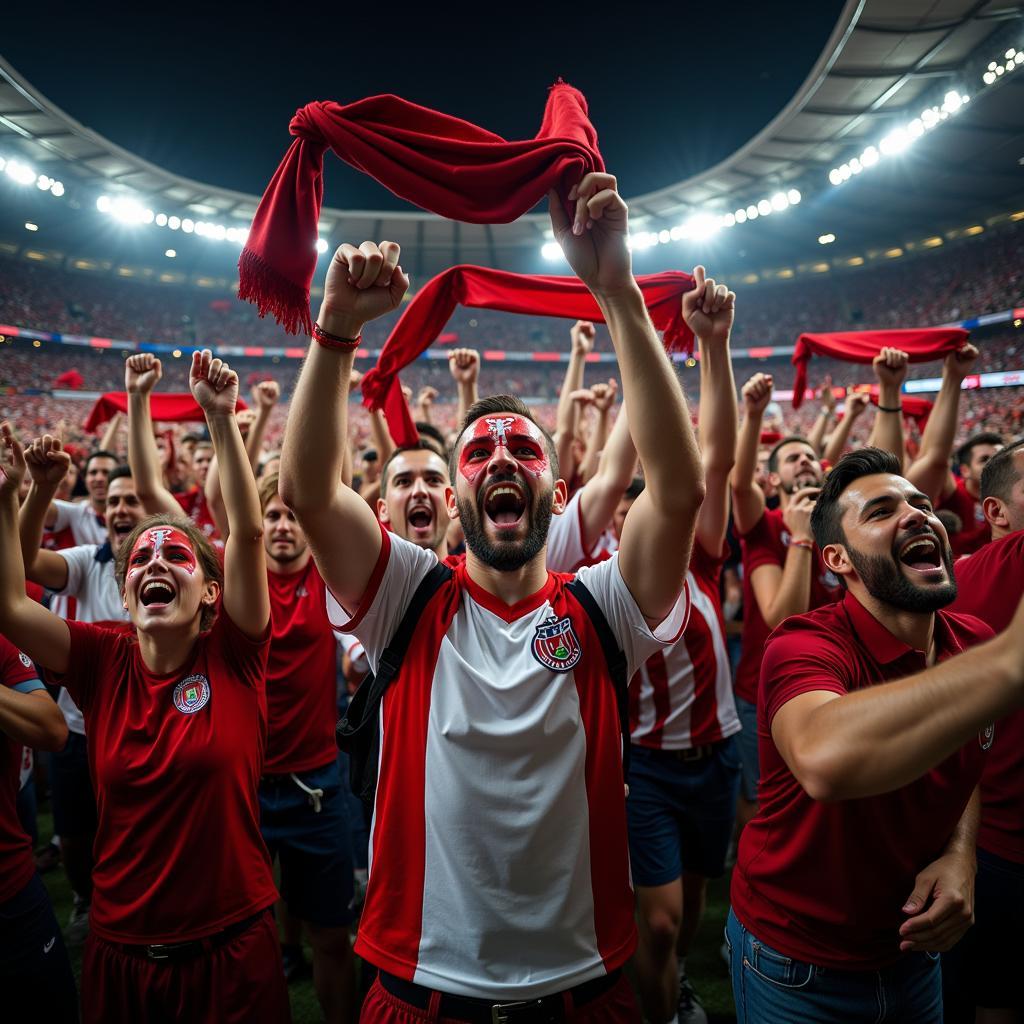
point(166, 408)
point(439, 162)
point(922, 345)
point(483, 288)
point(914, 407)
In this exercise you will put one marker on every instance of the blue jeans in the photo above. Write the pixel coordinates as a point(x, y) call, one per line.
point(772, 988)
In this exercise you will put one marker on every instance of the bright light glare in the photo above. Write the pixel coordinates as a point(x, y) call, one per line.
point(764, 207)
point(103, 204)
point(549, 250)
point(702, 226)
point(794, 196)
point(780, 201)
point(57, 189)
point(321, 245)
point(19, 172)
point(173, 223)
point(170, 254)
point(826, 239)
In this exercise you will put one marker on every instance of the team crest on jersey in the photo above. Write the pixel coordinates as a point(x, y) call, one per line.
point(986, 736)
point(191, 694)
point(24, 659)
point(555, 646)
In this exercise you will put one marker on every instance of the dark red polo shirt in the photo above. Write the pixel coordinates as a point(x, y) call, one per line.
point(825, 882)
point(975, 530)
point(991, 584)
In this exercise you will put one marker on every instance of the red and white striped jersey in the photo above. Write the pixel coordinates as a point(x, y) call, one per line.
point(566, 549)
point(682, 697)
point(499, 864)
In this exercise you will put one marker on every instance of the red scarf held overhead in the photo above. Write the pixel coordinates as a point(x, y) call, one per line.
point(921, 344)
point(438, 162)
point(483, 288)
point(165, 408)
point(914, 408)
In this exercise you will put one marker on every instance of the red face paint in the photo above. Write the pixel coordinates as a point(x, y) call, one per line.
point(168, 543)
point(521, 439)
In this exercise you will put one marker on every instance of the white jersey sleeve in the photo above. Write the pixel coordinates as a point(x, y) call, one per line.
point(565, 537)
point(78, 561)
point(394, 581)
point(638, 640)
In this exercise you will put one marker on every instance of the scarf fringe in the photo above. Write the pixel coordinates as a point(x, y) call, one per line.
point(261, 284)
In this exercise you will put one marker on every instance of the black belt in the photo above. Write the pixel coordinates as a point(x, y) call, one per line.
point(483, 1011)
point(178, 951)
point(686, 755)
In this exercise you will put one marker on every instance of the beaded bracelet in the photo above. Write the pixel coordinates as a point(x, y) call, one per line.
point(328, 340)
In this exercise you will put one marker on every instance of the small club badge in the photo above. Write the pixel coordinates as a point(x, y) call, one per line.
point(192, 694)
point(986, 736)
point(24, 659)
point(555, 646)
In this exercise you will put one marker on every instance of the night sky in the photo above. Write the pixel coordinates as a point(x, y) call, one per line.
point(672, 88)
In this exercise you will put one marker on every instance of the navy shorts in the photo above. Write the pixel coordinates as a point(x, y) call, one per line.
point(314, 847)
point(681, 813)
point(747, 739)
point(981, 970)
point(35, 972)
point(74, 803)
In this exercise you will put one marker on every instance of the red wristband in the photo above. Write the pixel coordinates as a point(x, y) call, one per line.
point(328, 340)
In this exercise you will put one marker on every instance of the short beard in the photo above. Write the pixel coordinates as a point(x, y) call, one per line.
point(511, 555)
point(792, 488)
point(299, 552)
point(886, 583)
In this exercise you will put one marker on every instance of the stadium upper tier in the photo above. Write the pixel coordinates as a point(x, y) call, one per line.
point(971, 278)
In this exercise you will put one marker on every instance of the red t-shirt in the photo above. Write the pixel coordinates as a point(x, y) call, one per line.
point(301, 675)
point(766, 544)
point(16, 864)
point(975, 530)
point(825, 882)
point(990, 585)
point(175, 761)
point(194, 505)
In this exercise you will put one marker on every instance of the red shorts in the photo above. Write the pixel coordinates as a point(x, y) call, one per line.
point(241, 982)
point(616, 1006)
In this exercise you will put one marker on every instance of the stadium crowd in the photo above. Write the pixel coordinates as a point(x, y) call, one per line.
point(740, 616)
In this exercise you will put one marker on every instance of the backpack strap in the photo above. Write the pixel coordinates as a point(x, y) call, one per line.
point(391, 659)
point(614, 657)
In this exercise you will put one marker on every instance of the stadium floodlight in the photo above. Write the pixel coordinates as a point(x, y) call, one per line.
point(752, 212)
point(321, 245)
point(989, 77)
point(170, 254)
point(43, 183)
point(764, 207)
point(826, 239)
point(29, 226)
point(187, 225)
point(702, 226)
point(551, 251)
point(19, 172)
point(780, 201)
point(103, 204)
point(161, 220)
point(741, 216)
point(174, 223)
point(57, 189)
point(794, 196)
point(127, 210)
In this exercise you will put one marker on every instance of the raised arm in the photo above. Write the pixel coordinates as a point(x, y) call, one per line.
point(464, 366)
point(747, 497)
point(603, 491)
point(816, 438)
point(32, 719)
point(265, 396)
point(425, 399)
point(856, 403)
point(40, 634)
point(108, 441)
point(717, 416)
point(877, 739)
point(362, 284)
point(602, 402)
point(246, 600)
point(47, 464)
point(657, 538)
point(142, 372)
point(890, 366)
point(931, 470)
point(582, 334)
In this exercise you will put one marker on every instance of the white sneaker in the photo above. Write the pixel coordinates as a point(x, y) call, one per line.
point(689, 1010)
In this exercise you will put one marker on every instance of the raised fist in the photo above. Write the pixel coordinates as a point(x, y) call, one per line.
point(582, 334)
point(797, 516)
point(709, 309)
point(265, 394)
point(46, 460)
point(426, 395)
point(604, 394)
point(214, 384)
point(464, 365)
point(828, 396)
point(362, 284)
point(890, 366)
point(757, 393)
point(12, 461)
point(960, 363)
point(856, 403)
point(142, 372)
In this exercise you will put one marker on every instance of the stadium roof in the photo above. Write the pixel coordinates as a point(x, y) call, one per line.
point(884, 63)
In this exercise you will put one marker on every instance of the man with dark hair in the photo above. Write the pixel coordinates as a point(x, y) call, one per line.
point(85, 518)
point(500, 866)
point(413, 482)
point(859, 867)
point(431, 437)
point(982, 972)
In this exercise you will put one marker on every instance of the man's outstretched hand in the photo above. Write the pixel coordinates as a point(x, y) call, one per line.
point(594, 239)
point(362, 284)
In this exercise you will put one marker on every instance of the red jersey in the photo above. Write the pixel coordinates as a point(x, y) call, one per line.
point(975, 530)
point(193, 503)
point(682, 697)
point(302, 705)
point(990, 585)
point(175, 762)
point(825, 882)
point(766, 544)
point(16, 863)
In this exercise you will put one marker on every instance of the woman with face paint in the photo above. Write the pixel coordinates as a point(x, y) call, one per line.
point(180, 924)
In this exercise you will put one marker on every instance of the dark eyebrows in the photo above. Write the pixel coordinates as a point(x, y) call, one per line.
point(883, 499)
